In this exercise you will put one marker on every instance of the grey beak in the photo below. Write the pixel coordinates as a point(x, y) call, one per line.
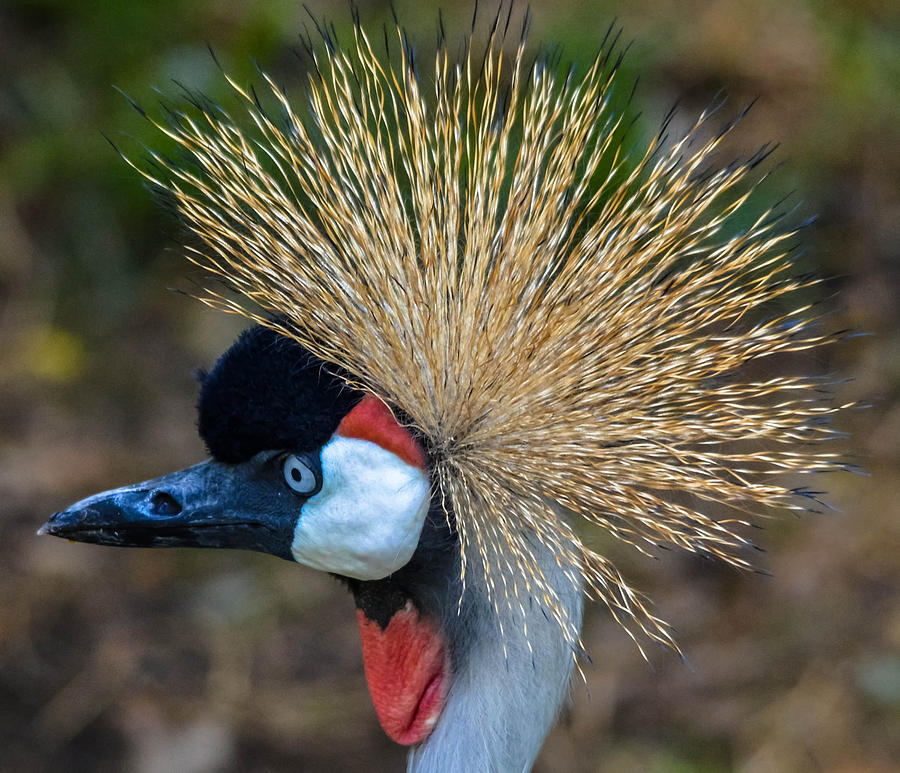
point(209, 505)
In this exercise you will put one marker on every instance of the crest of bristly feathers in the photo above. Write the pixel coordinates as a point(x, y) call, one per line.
point(574, 332)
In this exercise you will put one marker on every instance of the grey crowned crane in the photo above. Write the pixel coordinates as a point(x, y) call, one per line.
point(478, 324)
point(309, 470)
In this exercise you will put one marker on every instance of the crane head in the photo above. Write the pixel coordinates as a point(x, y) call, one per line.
point(308, 469)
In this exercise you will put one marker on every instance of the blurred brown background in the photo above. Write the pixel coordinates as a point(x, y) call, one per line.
point(155, 661)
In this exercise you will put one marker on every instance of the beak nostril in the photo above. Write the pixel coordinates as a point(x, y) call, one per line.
point(164, 504)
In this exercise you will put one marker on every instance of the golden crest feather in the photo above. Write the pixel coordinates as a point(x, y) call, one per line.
point(573, 330)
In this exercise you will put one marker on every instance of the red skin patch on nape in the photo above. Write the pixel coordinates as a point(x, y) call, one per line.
point(372, 420)
point(407, 668)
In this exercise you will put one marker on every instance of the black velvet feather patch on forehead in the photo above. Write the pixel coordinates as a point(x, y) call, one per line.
point(268, 393)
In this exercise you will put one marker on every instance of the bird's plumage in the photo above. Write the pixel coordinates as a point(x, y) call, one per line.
point(267, 392)
point(569, 328)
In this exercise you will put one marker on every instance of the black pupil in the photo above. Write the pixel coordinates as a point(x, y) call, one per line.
point(296, 474)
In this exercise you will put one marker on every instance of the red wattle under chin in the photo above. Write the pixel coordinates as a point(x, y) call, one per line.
point(407, 668)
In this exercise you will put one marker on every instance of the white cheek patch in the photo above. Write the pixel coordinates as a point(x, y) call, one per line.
point(366, 521)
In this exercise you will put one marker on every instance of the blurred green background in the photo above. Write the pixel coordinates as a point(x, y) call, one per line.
point(157, 661)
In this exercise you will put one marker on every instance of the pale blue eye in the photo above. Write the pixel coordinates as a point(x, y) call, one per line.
point(298, 476)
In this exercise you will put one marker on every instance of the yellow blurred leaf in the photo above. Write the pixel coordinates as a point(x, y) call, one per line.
point(54, 354)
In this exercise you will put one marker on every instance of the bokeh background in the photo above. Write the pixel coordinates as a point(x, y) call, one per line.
point(156, 661)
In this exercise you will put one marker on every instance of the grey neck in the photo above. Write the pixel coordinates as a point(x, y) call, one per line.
point(501, 704)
